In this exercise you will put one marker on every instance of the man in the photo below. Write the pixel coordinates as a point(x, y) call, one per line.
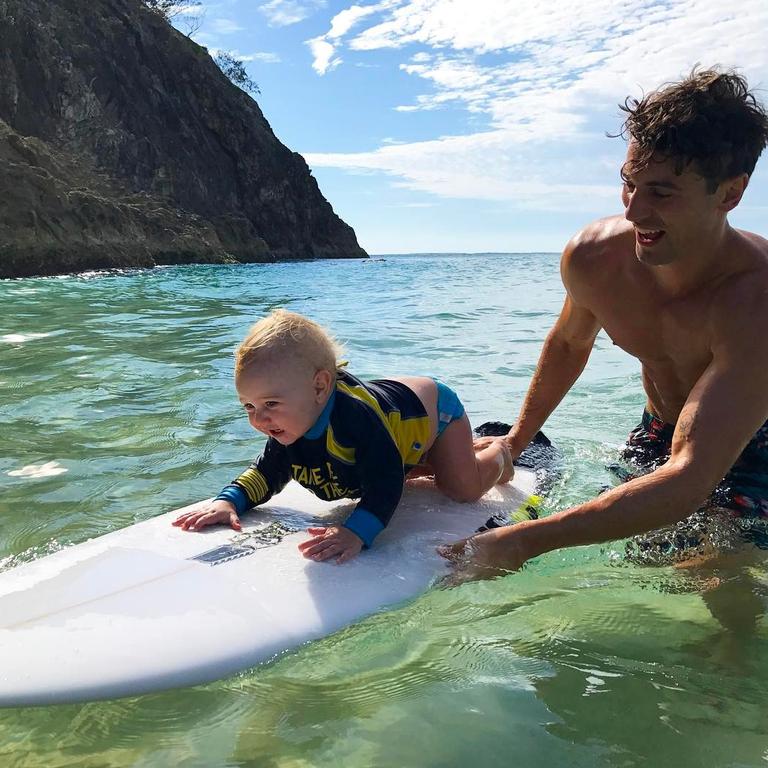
point(675, 286)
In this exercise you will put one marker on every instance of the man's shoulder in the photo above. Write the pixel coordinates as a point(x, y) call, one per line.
point(599, 234)
point(740, 301)
point(599, 245)
point(755, 244)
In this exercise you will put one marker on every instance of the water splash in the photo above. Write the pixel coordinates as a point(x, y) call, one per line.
point(49, 469)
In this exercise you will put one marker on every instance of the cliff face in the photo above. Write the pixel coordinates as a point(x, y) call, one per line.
point(123, 144)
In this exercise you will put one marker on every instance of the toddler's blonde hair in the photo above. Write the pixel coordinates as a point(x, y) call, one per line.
point(291, 335)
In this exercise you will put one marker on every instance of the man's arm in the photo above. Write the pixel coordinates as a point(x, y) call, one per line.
point(563, 356)
point(724, 410)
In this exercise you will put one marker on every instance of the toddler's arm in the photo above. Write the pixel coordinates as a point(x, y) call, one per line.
point(268, 475)
point(381, 473)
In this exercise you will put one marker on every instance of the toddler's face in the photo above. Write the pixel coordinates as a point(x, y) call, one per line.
point(283, 399)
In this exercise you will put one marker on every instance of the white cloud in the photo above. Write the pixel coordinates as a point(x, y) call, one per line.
point(324, 47)
point(282, 13)
point(225, 26)
point(194, 9)
point(487, 166)
point(323, 55)
point(344, 21)
point(545, 78)
point(264, 57)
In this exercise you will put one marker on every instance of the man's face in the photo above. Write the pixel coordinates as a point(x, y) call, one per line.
point(673, 215)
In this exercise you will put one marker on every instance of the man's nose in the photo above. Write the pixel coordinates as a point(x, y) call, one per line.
point(635, 206)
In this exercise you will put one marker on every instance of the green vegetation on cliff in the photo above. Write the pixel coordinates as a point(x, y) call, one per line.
point(122, 143)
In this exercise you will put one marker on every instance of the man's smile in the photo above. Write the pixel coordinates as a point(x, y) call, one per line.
point(648, 236)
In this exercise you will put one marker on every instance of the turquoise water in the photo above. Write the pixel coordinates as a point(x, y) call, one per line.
point(116, 404)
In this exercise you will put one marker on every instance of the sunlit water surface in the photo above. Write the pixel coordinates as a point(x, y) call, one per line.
point(116, 403)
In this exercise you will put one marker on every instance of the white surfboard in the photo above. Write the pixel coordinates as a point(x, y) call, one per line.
point(152, 607)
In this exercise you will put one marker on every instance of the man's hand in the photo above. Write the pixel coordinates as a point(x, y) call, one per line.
point(484, 556)
point(481, 443)
point(216, 511)
point(334, 541)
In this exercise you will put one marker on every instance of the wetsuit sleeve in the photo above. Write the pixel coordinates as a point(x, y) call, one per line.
point(381, 473)
point(266, 476)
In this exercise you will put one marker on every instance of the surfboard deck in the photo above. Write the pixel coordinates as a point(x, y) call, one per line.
point(152, 607)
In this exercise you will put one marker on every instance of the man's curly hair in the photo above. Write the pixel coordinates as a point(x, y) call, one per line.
point(709, 120)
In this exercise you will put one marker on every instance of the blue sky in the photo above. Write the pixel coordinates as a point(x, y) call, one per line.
point(475, 125)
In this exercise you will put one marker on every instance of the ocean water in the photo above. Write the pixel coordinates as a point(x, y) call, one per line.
point(116, 404)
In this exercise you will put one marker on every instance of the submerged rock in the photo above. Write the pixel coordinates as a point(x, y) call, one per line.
point(123, 144)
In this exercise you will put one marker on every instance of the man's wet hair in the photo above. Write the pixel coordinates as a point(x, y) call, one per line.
point(710, 121)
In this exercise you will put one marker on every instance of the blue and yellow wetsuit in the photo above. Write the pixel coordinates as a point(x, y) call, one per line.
point(364, 442)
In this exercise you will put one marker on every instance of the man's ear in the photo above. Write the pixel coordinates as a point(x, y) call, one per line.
point(731, 191)
point(322, 384)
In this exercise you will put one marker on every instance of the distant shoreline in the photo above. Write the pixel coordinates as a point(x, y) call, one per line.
point(464, 253)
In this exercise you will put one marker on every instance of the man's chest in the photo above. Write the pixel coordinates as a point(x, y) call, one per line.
point(674, 332)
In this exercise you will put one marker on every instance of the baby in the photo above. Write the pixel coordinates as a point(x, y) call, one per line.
point(341, 437)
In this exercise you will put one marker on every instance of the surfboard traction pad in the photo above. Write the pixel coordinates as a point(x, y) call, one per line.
point(244, 544)
point(540, 456)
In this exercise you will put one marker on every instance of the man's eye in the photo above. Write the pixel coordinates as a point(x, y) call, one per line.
point(248, 406)
point(661, 195)
point(271, 403)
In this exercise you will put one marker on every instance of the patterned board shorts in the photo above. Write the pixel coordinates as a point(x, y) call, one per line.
point(743, 492)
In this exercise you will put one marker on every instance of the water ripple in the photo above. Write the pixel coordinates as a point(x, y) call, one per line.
point(125, 380)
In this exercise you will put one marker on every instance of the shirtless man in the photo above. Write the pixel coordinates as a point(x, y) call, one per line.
point(676, 287)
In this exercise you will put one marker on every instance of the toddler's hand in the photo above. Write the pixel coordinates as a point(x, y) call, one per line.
point(334, 541)
point(216, 511)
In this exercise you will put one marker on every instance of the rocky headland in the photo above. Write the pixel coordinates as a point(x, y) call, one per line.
point(122, 144)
